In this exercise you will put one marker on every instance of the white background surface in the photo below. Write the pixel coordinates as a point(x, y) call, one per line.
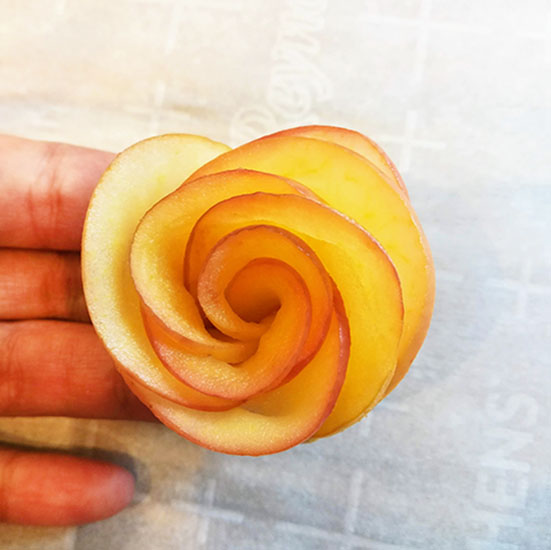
point(458, 92)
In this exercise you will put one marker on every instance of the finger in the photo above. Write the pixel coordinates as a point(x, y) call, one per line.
point(44, 192)
point(57, 368)
point(39, 284)
point(51, 489)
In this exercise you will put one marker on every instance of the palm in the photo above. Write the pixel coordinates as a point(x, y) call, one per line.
point(51, 362)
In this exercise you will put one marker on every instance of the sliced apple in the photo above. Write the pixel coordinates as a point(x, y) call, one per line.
point(229, 296)
point(260, 297)
point(351, 185)
point(279, 347)
point(157, 256)
point(365, 277)
point(274, 421)
point(356, 142)
point(136, 180)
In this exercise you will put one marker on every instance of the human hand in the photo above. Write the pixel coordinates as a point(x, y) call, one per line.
point(51, 361)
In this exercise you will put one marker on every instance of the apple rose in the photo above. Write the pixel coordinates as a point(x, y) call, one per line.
point(258, 297)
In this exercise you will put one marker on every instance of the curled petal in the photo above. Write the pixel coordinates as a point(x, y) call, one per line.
point(274, 421)
point(279, 344)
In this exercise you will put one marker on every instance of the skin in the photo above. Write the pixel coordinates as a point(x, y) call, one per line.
point(45, 333)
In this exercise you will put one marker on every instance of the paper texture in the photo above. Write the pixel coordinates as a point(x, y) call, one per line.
point(458, 93)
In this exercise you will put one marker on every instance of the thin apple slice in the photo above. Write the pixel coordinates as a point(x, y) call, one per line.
point(279, 347)
point(225, 348)
point(356, 142)
point(137, 179)
point(363, 273)
point(157, 256)
point(188, 396)
point(248, 300)
point(271, 422)
point(351, 185)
